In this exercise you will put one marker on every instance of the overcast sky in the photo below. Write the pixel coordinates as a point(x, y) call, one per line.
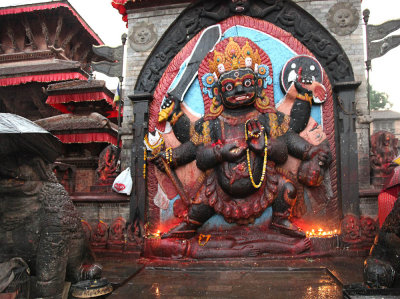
point(107, 23)
point(384, 69)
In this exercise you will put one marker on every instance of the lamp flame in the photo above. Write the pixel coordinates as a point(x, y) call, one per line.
point(321, 233)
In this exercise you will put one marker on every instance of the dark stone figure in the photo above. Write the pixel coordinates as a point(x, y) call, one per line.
point(39, 223)
point(238, 144)
point(382, 267)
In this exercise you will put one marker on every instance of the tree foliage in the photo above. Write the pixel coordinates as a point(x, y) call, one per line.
point(379, 100)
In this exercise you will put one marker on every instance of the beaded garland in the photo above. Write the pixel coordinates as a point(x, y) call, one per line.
point(257, 135)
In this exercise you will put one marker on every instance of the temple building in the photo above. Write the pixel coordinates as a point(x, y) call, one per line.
point(45, 56)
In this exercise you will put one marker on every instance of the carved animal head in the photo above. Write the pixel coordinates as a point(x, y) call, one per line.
point(378, 273)
point(23, 174)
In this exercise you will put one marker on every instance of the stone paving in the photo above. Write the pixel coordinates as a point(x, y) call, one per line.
point(159, 283)
point(241, 278)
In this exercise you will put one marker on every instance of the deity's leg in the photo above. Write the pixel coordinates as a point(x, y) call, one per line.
point(198, 214)
point(282, 207)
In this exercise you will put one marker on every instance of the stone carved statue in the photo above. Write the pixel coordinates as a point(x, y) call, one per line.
point(142, 36)
point(383, 152)
point(108, 164)
point(351, 229)
point(381, 268)
point(238, 144)
point(342, 18)
point(117, 233)
point(238, 7)
point(39, 223)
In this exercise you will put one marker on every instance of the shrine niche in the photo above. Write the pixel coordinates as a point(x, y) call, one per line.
point(240, 145)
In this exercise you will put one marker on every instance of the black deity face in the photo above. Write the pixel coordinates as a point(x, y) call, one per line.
point(238, 88)
point(239, 6)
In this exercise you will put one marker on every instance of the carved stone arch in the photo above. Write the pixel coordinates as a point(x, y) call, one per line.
point(282, 13)
point(302, 27)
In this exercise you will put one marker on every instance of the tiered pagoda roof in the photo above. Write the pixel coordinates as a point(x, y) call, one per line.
point(40, 44)
point(78, 95)
point(81, 128)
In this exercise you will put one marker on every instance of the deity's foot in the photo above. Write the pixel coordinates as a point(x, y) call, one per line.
point(284, 226)
point(301, 246)
point(181, 231)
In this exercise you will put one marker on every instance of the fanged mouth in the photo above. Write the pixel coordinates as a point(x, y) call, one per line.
point(239, 8)
point(307, 81)
point(241, 99)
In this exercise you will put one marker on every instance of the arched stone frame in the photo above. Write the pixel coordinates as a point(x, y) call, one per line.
point(294, 20)
point(288, 16)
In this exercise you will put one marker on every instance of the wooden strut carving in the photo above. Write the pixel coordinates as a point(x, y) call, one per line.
point(29, 34)
point(58, 30)
point(75, 49)
point(11, 35)
point(68, 38)
point(45, 30)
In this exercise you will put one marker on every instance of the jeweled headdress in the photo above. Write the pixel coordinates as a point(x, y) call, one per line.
point(234, 57)
point(231, 54)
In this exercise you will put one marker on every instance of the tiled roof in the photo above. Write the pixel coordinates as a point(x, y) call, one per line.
point(76, 85)
point(385, 114)
point(67, 122)
point(27, 8)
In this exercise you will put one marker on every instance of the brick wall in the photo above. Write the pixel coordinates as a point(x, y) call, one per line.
point(84, 179)
point(162, 17)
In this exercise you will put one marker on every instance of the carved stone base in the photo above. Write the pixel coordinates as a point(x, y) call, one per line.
point(240, 243)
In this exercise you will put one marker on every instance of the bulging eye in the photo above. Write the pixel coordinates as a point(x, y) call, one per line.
point(247, 83)
point(229, 87)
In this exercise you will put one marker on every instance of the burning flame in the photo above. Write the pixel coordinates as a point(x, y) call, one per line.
point(154, 235)
point(320, 233)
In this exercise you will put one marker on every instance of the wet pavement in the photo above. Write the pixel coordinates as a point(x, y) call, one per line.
point(234, 278)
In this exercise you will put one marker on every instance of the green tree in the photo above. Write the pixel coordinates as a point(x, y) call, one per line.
point(379, 100)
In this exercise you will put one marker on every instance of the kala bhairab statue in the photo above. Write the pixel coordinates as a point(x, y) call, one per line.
point(238, 145)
